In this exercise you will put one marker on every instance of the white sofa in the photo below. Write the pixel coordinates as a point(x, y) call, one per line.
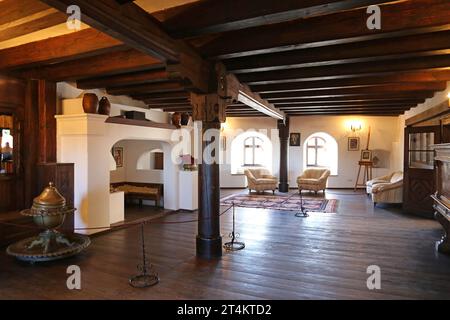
point(386, 189)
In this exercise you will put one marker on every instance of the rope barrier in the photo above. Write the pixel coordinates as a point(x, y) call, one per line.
point(122, 226)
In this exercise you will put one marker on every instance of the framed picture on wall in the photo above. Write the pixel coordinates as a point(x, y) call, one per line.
point(366, 155)
point(353, 144)
point(118, 156)
point(294, 139)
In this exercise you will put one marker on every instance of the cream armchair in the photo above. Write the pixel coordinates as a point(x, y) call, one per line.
point(260, 180)
point(313, 179)
point(386, 189)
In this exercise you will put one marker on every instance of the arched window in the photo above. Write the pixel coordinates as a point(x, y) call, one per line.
point(253, 151)
point(321, 150)
point(250, 149)
point(315, 152)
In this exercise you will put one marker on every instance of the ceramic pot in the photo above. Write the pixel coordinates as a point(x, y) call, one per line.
point(90, 103)
point(104, 106)
point(184, 119)
point(176, 119)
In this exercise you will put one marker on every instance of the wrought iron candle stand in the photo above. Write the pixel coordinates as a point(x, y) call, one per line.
point(234, 245)
point(303, 213)
point(148, 277)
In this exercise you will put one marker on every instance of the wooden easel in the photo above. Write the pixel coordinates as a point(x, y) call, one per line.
point(368, 165)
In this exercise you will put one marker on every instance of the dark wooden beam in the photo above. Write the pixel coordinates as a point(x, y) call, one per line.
point(387, 91)
point(346, 70)
point(141, 77)
point(365, 51)
point(138, 29)
point(72, 46)
point(335, 104)
point(292, 96)
point(343, 102)
point(221, 16)
point(356, 82)
point(46, 19)
point(101, 65)
point(164, 101)
point(398, 18)
point(146, 88)
point(338, 113)
point(13, 10)
point(163, 96)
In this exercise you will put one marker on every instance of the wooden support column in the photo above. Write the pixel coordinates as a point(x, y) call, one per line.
point(283, 129)
point(47, 121)
point(210, 110)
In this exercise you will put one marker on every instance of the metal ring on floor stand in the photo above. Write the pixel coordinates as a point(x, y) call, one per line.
point(234, 245)
point(147, 278)
point(303, 213)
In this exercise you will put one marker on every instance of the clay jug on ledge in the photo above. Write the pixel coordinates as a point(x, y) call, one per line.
point(104, 106)
point(176, 119)
point(184, 119)
point(90, 103)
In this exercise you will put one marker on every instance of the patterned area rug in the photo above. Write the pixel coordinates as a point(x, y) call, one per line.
point(277, 202)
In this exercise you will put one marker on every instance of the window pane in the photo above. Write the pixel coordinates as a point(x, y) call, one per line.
point(248, 156)
point(322, 157)
point(311, 142)
point(311, 157)
point(259, 156)
point(320, 142)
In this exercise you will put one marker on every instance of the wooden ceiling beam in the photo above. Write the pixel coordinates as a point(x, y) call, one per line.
point(221, 16)
point(36, 22)
point(291, 96)
point(141, 77)
point(346, 101)
point(380, 49)
point(146, 88)
point(356, 82)
point(347, 70)
point(388, 91)
point(12, 10)
point(162, 96)
point(135, 27)
point(399, 18)
point(282, 106)
point(354, 107)
point(347, 113)
point(101, 65)
point(68, 47)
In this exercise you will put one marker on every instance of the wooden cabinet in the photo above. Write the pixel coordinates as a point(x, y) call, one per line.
point(442, 196)
point(419, 172)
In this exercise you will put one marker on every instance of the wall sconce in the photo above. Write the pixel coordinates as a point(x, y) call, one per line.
point(355, 126)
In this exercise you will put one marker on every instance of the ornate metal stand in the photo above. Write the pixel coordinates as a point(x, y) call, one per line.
point(303, 213)
point(148, 277)
point(234, 245)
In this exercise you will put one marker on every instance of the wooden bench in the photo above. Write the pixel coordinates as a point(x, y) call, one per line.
point(140, 191)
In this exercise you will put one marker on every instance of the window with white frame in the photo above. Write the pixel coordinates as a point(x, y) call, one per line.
point(253, 151)
point(321, 150)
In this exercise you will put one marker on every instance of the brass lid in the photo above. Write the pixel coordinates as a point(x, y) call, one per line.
point(50, 198)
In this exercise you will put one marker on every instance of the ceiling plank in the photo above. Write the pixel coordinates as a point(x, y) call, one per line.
point(101, 65)
point(292, 96)
point(398, 18)
point(40, 21)
point(13, 10)
point(163, 96)
point(141, 77)
point(375, 50)
point(72, 46)
point(221, 16)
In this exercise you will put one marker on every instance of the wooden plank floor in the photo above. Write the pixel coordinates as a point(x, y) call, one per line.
point(324, 256)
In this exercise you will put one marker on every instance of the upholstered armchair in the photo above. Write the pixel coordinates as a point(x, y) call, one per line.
point(260, 180)
point(313, 179)
point(386, 189)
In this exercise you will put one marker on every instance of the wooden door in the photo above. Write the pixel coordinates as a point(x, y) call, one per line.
point(419, 171)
